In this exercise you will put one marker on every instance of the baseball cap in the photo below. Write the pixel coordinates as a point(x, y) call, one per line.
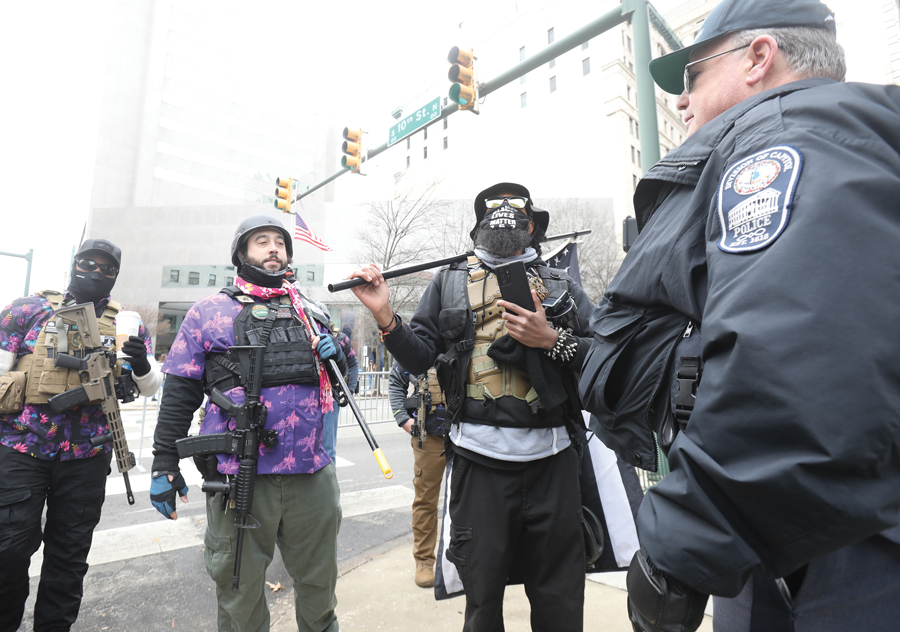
point(731, 16)
point(101, 246)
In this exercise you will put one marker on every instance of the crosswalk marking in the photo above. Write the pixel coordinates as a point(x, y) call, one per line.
point(160, 536)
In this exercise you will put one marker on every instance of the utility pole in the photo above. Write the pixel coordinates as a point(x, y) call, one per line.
point(28, 257)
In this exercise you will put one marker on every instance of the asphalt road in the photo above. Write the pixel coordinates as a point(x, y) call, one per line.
point(147, 573)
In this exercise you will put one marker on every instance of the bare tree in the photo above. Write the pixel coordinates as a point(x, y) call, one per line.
point(599, 254)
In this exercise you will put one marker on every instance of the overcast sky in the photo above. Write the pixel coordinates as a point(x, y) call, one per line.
point(53, 63)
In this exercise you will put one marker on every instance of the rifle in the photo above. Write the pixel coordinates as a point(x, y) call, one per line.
point(244, 440)
point(424, 403)
point(95, 364)
point(345, 390)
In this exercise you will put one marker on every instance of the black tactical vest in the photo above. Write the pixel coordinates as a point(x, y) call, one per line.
point(288, 358)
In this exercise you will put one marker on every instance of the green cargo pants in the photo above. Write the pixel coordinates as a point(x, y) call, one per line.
point(302, 514)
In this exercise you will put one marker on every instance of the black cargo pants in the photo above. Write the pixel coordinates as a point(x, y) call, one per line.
point(74, 492)
point(523, 524)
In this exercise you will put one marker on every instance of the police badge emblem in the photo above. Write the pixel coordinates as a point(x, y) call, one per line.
point(755, 198)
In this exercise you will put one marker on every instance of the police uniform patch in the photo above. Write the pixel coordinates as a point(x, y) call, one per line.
point(259, 312)
point(755, 198)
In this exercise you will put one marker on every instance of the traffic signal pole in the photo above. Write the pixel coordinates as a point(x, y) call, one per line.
point(27, 258)
point(647, 117)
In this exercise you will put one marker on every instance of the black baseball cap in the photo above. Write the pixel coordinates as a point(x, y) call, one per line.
point(102, 246)
point(731, 16)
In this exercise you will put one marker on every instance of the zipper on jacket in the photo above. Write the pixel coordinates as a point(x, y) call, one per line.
point(660, 387)
point(681, 164)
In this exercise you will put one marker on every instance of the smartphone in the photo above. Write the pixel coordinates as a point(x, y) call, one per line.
point(514, 286)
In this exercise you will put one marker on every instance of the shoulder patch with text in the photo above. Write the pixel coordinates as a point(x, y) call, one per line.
point(756, 196)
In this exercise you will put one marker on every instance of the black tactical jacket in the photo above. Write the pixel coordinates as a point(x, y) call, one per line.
point(793, 447)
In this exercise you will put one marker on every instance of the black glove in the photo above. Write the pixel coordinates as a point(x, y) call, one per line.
point(658, 602)
point(136, 355)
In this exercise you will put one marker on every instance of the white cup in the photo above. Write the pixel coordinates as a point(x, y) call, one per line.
point(127, 324)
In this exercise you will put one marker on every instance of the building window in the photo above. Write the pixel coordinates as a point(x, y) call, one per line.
point(446, 101)
point(634, 181)
point(550, 36)
point(522, 79)
point(639, 157)
point(445, 142)
point(407, 162)
point(628, 42)
point(524, 99)
point(173, 276)
point(425, 133)
point(193, 278)
point(631, 125)
point(552, 84)
point(310, 275)
point(522, 54)
point(637, 129)
point(585, 45)
point(445, 123)
point(229, 280)
point(659, 50)
point(407, 143)
point(212, 280)
point(632, 154)
point(552, 63)
point(631, 67)
point(628, 93)
point(425, 153)
point(586, 66)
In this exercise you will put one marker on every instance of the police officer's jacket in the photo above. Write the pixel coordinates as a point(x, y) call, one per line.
point(775, 230)
point(444, 320)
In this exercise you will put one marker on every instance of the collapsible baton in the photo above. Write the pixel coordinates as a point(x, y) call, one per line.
point(390, 274)
point(244, 440)
point(373, 445)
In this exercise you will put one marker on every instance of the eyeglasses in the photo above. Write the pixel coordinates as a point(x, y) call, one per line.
point(515, 202)
point(689, 78)
point(89, 265)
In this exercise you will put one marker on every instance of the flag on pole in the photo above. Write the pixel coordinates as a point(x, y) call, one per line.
point(304, 233)
point(565, 257)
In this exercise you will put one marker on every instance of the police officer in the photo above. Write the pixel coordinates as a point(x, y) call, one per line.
point(428, 459)
point(747, 326)
point(46, 457)
point(295, 497)
point(507, 375)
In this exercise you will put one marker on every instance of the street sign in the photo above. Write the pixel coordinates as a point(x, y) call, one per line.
point(414, 121)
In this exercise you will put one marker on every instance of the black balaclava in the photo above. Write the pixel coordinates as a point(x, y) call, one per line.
point(261, 276)
point(90, 287)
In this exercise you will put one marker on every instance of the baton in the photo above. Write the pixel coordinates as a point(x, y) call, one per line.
point(390, 274)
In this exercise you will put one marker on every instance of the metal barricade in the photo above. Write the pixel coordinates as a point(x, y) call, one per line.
point(372, 400)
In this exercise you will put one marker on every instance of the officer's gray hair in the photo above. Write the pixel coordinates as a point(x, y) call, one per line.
point(809, 52)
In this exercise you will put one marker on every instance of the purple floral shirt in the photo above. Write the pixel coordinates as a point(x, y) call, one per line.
point(37, 430)
point(293, 409)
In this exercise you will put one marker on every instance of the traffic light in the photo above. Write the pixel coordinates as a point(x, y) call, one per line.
point(352, 149)
point(464, 90)
point(284, 193)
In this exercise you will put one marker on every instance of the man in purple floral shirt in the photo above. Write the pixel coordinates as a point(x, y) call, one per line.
point(47, 457)
point(296, 496)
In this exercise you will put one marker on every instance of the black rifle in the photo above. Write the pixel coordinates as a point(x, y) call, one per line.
point(95, 365)
point(244, 440)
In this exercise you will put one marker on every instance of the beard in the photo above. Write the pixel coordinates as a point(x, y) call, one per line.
point(260, 263)
point(503, 242)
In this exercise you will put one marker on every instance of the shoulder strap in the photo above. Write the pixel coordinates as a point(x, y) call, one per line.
point(233, 291)
point(53, 297)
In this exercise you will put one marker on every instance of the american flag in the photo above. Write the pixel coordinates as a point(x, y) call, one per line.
point(307, 234)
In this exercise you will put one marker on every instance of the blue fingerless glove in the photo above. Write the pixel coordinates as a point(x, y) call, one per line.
point(162, 491)
point(327, 350)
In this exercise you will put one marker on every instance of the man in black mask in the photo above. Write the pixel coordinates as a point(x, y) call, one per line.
point(46, 457)
point(515, 505)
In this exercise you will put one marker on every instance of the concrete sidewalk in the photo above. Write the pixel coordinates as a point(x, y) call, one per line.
point(379, 594)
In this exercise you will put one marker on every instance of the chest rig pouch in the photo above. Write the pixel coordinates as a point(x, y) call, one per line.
point(43, 379)
point(288, 358)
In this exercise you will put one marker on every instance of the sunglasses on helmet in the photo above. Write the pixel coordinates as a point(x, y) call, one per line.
point(514, 201)
point(89, 265)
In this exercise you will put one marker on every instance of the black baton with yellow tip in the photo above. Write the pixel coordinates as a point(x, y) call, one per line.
point(336, 372)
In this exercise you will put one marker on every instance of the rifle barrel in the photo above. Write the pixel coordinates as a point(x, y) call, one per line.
point(390, 274)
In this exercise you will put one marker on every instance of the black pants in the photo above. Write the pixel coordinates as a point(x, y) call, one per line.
point(74, 492)
point(524, 525)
